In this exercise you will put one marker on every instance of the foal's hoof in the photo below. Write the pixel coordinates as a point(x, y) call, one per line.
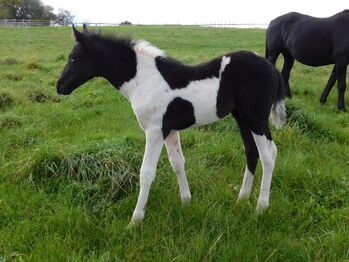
point(342, 109)
point(137, 218)
point(133, 224)
point(186, 200)
point(243, 197)
point(261, 207)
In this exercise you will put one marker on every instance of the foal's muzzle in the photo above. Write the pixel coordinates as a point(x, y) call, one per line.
point(61, 90)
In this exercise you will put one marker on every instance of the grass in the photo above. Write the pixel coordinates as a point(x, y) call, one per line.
point(69, 165)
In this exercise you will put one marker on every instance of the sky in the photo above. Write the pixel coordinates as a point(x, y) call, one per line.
point(193, 11)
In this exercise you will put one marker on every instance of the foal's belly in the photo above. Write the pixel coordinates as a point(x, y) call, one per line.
point(203, 96)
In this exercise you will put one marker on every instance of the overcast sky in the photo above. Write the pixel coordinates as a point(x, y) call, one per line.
point(193, 11)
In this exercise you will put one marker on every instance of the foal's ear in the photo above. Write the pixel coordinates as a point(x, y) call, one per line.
point(84, 29)
point(81, 38)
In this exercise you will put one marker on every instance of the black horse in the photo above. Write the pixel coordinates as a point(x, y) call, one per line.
point(314, 42)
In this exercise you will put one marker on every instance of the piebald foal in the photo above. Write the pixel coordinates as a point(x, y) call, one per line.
point(168, 96)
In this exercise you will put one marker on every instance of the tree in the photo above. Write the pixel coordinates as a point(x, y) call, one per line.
point(26, 9)
point(64, 17)
point(8, 8)
point(48, 13)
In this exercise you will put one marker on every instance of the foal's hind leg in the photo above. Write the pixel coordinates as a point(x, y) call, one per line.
point(267, 153)
point(286, 69)
point(330, 84)
point(175, 155)
point(251, 153)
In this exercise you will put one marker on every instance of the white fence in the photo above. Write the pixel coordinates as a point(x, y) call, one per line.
point(23, 22)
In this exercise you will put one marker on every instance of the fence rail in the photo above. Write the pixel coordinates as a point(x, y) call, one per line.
point(23, 22)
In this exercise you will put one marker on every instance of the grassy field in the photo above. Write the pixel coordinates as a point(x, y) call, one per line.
point(69, 165)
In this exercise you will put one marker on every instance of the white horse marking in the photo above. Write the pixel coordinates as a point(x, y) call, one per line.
point(153, 146)
point(246, 186)
point(175, 155)
point(267, 153)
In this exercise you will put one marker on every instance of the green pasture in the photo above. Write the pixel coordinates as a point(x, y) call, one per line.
point(69, 165)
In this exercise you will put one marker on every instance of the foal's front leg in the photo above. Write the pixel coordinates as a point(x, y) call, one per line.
point(153, 146)
point(175, 155)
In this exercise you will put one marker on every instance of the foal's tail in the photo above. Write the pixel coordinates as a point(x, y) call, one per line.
point(278, 109)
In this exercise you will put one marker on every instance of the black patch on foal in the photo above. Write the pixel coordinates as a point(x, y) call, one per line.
point(179, 115)
point(249, 85)
point(178, 75)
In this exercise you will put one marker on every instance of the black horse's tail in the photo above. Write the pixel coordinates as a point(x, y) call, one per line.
point(278, 109)
point(266, 48)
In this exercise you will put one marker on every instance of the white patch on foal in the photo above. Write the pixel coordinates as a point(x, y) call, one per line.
point(246, 186)
point(146, 48)
point(267, 154)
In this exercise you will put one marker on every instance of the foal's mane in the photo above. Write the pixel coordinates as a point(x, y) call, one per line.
point(115, 42)
point(110, 41)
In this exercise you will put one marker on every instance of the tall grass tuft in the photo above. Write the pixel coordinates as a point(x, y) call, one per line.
point(10, 121)
point(9, 61)
point(14, 77)
point(40, 96)
point(96, 178)
point(308, 125)
point(6, 100)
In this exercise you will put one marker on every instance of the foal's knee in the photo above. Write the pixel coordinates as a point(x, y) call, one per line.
point(268, 160)
point(273, 150)
point(147, 177)
point(177, 161)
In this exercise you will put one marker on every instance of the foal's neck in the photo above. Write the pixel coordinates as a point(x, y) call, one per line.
point(147, 76)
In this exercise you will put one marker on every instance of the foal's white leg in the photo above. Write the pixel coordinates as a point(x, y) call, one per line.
point(153, 146)
point(175, 155)
point(246, 186)
point(267, 153)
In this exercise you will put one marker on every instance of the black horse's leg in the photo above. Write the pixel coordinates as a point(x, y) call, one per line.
point(330, 84)
point(341, 71)
point(273, 57)
point(288, 63)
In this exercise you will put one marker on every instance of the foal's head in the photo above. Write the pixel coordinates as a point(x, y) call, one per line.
point(97, 55)
point(81, 65)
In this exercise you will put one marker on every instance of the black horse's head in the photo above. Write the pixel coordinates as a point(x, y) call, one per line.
point(81, 65)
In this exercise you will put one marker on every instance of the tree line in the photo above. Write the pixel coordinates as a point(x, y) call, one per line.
point(33, 10)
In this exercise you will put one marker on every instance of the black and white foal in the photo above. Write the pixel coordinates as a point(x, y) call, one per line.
point(167, 96)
